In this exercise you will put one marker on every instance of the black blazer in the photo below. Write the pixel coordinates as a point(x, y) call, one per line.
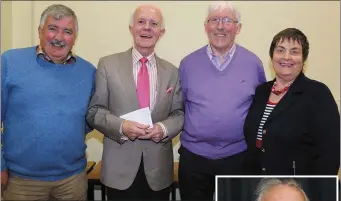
point(302, 134)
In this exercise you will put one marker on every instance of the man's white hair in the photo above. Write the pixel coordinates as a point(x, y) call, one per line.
point(220, 5)
point(131, 21)
point(265, 184)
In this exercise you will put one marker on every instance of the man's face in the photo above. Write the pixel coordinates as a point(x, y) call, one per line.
point(146, 28)
point(283, 193)
point(222, 35)
point(57, 37)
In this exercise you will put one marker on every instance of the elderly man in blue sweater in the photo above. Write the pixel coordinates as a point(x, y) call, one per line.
point(45, 91)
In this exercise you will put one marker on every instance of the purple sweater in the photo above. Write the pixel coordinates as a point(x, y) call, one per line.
point(217, 102)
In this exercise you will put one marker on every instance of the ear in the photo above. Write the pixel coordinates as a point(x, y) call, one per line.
point(75, 40)
point(40, 31)
point(205, 25)
point(162, 32)
point(131, 29)
point(239, 27)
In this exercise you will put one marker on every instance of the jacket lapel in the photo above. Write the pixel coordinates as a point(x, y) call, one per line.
point(126, 73)
point(161, 83)
point(289, 98)
point(261, 99)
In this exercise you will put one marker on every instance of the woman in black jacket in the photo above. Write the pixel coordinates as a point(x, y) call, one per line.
point(293, 125)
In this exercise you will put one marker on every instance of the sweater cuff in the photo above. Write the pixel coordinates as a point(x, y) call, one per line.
point(3, 164)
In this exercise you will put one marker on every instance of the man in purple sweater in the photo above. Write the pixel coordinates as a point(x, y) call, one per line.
point(218, 82)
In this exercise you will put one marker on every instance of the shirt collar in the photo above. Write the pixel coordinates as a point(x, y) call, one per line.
point(137, 56)
point(229, 53)
point(70, 58)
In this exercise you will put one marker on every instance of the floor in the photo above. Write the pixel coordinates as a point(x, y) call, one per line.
point(98, 194)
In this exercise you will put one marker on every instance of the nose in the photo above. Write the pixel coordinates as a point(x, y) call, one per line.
point(59, 35)
point(220, 25)
point(147, 25)
point(287, 55)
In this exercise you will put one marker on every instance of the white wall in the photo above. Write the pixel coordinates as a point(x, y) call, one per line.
point(104, 30)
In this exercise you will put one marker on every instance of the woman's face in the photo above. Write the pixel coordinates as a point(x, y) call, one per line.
point(287, 59)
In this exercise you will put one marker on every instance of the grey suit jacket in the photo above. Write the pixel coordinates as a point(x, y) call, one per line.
point(115, 95)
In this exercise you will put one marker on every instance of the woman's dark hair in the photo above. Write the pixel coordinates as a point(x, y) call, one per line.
point(294, 35)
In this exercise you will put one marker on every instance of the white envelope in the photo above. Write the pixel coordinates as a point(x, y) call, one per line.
point(142, 116)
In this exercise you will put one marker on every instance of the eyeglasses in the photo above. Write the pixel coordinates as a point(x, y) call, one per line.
point(152, 23)
point(225, 20)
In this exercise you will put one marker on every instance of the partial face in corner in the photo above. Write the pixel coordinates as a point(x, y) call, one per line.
point(146, 27)
point(283, 193)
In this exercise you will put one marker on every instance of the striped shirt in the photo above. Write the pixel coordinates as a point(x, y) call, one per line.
point(152, 71)
point(268, 109)
point(215, 59)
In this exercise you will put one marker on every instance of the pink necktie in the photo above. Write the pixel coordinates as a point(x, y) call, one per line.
point(143, 84)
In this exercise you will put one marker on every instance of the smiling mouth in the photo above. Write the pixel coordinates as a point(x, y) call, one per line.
point(220, 34)
point(145, 36)
point(58, 46)
point(288, 65)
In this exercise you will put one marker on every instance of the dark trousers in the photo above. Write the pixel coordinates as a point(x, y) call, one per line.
point(139, 190)
point(197, 174)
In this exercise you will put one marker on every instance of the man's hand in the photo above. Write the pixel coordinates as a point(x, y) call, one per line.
point(4, 179)
point(133, 129)
point(155, 133)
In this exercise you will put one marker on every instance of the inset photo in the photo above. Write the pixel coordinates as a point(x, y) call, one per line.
point(277, 188)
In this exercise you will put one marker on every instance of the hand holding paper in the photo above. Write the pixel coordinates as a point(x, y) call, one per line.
point(136, 123)
point(133, 130)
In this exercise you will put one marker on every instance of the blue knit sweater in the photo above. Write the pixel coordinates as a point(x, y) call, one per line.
point(43, 108)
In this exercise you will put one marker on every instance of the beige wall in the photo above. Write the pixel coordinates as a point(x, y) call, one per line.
point(6, 25)
point(104, 30)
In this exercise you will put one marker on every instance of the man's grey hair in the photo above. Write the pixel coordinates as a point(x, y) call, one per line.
point(131, 21)
point(58, 11)
point(265, 184)
point(220, 5)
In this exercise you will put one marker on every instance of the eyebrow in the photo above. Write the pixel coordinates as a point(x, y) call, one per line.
point(142, 18)
point(294, 48)
point(67, 29)
point(55, 26)
point(52, 25)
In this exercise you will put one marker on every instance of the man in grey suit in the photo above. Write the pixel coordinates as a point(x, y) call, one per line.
point(138, 160)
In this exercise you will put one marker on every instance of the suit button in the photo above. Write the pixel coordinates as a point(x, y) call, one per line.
point(263, 150)
point(263, 169)
point(264, 132)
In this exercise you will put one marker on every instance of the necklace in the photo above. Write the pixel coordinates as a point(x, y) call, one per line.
point(278, 92)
